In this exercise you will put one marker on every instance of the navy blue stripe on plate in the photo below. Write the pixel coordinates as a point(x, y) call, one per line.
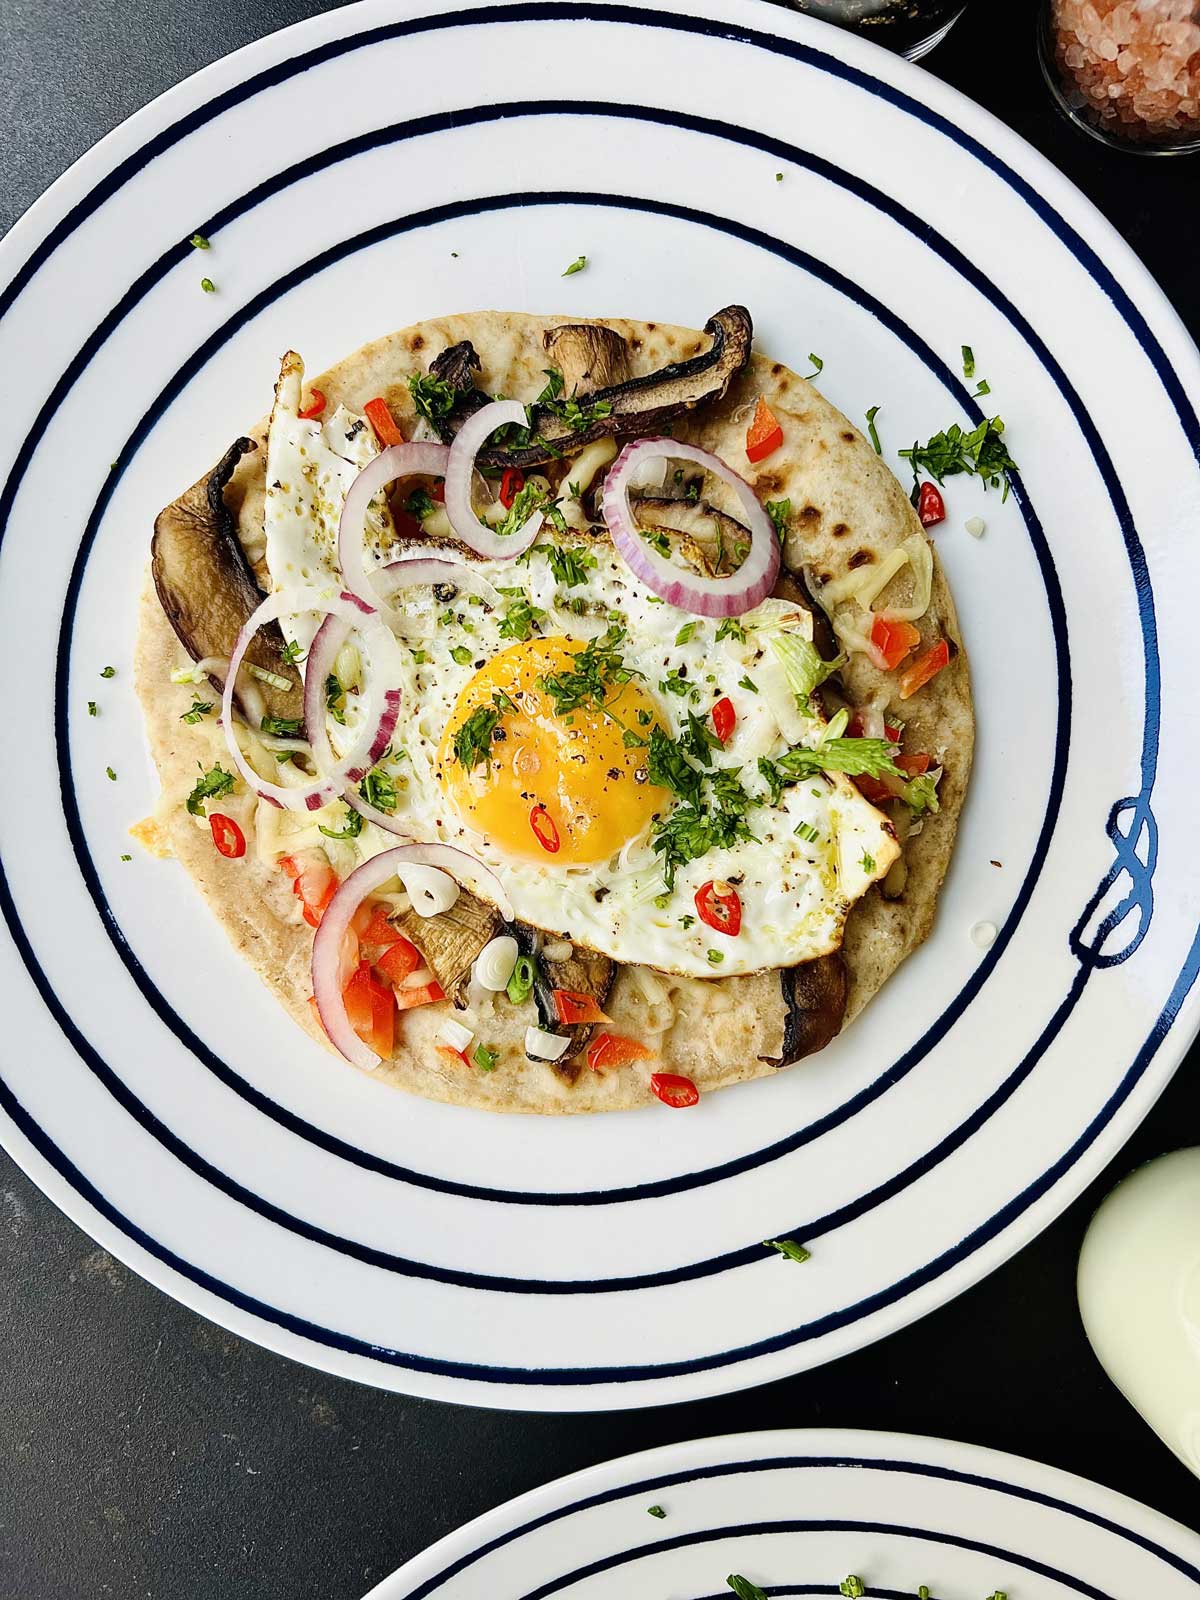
point(888, 1530)
point(915, 1053)
point(647, 1488)
point(560, 1377)
point(642, 18)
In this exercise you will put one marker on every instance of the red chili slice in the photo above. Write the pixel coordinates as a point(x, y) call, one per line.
point(227, 836)
point(873, 790)
point(544, 830)
point(673, 1090)
point(384, 423)
point(931, 507)
point(314, 407)
point(511, 485)
point(718, 905)
point(724, 719)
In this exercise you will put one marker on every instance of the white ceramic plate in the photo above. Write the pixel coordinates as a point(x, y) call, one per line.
point(799, 1512)
point(153, 1087)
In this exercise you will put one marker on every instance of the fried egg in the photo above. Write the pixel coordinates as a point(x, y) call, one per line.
point(502, 750)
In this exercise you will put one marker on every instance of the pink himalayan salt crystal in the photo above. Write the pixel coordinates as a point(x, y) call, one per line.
point(1132, 62)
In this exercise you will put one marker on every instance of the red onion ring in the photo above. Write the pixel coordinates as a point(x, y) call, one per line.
point(705, 597)
point(331, 935)
point(468, 441)
point(377, 730)
point(430, 569)
point(398, 461)
point(379, 721)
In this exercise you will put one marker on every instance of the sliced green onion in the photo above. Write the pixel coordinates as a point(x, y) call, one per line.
point(520, 985)
point(275, 679)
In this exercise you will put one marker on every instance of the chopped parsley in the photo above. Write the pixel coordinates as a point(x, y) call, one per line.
point(596, 668)
point(199, 242)
point(432, 397)
point(873, 431)
point(702, 821)
point(199, 710)
point(806, 831)
point(350, 829)
point(686, 632)
point(461, 654)
point(981, 452)
point(790, 1249)
point(677, 682)
point(112, 777)
point(576, 266)
point(779, 511)
point(655, 1511)
point(485, 1058)
point(857, 758)
point(292, 653)
point(283, 727)
point(868, 862)
point(968, 360)
point(420, 657)
point(126, 858)
point(743, 1588)
point(569, 565)
point(852, 1588)
point(686, 921)
point(420, 504)
point(818, 367)
point(520, 619)
point(210, 785)
point(379, 790)
point(779, 177)
point(335, 698)
point(748, 683)
point(109, 672)
point(697, 739)
point(94, 709)
point(731, 628)
point(208, 286)
point(473, 741)
point(715, 958)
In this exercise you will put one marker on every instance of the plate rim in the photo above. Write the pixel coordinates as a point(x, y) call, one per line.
point(844, 1448)
point(339, 25)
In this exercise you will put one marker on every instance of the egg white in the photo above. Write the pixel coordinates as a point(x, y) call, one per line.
point(795, 891)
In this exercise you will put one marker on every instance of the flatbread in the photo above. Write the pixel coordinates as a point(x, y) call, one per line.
point(848, 510)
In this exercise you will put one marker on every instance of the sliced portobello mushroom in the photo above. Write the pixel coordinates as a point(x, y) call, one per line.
point(588, 356)
point(457, 366)
point(715, 532)
point(814, 997)
point(630, 407)
point(451, 941)
point(206, 585)
point(585, 972)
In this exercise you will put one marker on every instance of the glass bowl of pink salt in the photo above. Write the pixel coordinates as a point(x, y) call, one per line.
point(1127, 71)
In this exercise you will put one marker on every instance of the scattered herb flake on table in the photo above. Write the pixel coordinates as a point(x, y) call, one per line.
point(576, 266)
point(789, 1248)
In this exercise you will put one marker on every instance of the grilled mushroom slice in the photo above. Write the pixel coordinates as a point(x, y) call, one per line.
point(585, 972)
point(451, 941)
point(457, 366)
point(715, 532)
point(814, 994)
point(588, 356)
point(205, 583)
point(631, 407)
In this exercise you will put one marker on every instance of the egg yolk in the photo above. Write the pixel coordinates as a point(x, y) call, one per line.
point(552, 785)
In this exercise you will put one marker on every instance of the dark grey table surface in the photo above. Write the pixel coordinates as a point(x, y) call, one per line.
point(144, 1452)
